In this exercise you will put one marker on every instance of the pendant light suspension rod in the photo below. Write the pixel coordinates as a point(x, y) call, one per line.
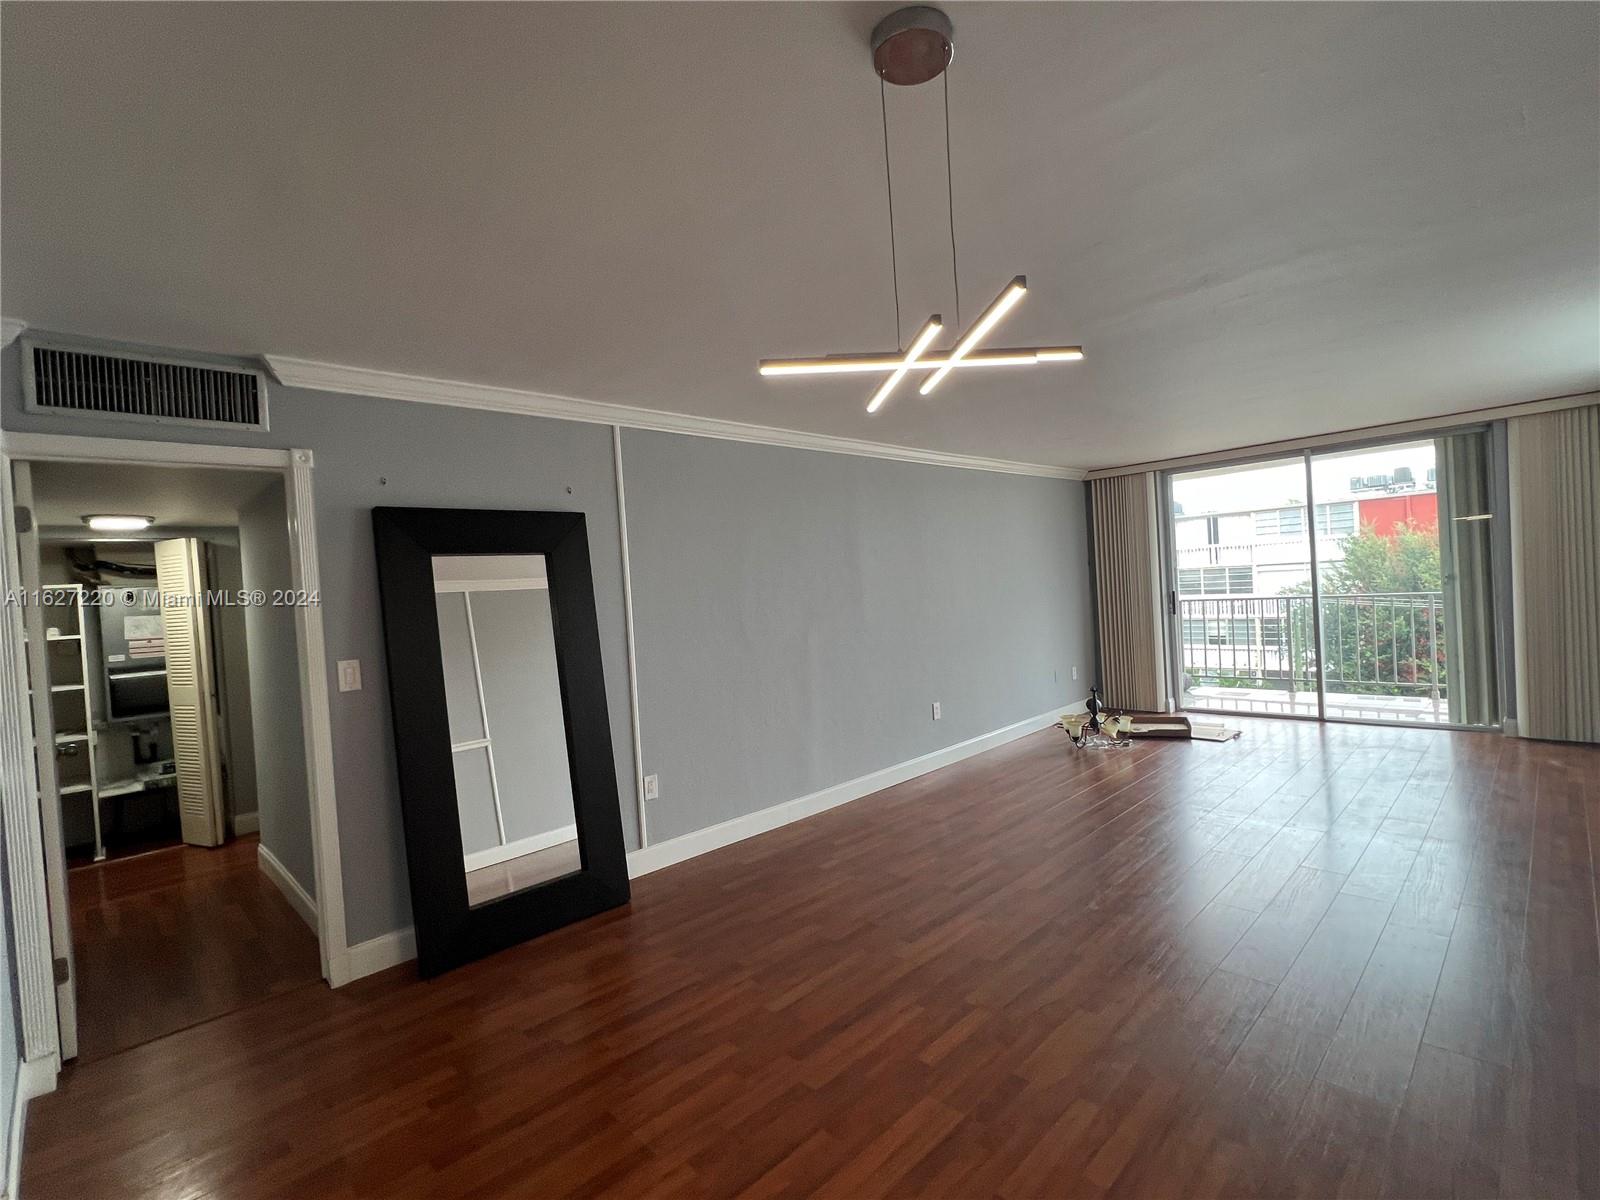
point(888, 180)
point(950, 194)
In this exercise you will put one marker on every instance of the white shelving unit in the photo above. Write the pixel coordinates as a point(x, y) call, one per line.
point(75, 733)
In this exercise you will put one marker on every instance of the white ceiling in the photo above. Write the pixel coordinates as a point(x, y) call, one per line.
point(1260, 221)
point(64, 493)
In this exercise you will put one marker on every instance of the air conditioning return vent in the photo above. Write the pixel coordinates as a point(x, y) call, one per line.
point(66, 379)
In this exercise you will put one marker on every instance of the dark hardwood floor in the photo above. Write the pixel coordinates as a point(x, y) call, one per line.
point(174, 937)
point(1319, 961)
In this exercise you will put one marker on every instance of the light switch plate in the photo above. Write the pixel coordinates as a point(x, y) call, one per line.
point(936, 712)
point(652, 787)
point(349, 674)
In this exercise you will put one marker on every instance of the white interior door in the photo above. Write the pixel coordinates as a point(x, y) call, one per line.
point(44, 736)
point(191, 690)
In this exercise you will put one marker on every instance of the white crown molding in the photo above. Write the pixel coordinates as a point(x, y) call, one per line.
point(10, 328)
point(390, 385)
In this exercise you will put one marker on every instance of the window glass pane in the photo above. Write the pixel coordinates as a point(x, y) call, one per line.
point(1245, 603)
point(1391, 610)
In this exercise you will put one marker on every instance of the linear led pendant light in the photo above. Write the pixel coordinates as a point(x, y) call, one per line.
point(911, 46)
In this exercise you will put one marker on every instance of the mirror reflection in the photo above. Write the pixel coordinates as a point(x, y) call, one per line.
point(508, 733)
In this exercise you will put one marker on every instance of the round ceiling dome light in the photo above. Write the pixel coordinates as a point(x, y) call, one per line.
point(117, 522)
point(913, 45)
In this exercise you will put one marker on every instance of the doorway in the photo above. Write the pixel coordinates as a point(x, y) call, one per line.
point(1351, 584)
point(182, 801)
point(218, 904)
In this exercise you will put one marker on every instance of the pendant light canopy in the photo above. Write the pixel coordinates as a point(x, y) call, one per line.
point(911, 46)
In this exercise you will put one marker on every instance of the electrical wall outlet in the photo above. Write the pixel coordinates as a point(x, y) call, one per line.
point(349, 674)
point(1074, 673)
point(936, 713)
point(652, 787)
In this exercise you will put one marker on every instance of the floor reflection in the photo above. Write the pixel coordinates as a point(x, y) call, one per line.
point(491, 883)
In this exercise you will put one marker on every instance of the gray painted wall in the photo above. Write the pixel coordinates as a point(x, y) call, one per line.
point(283, 793)
point(517, 648)
point(521, 697)
point(373, 452)
point(797, 614)
point(480, 830)
point(228, 575)
point(821, 602)
point(460, 675)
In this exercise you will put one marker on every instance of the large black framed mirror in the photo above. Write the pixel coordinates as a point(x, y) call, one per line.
point(508, 787)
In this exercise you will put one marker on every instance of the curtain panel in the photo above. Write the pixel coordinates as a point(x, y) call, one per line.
point(1555, 556)
point(1127, 579)
point(1467, 576)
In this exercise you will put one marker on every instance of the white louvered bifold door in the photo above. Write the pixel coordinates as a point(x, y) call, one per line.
point(181, 581)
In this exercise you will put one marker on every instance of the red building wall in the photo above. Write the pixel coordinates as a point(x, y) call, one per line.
point(1385, 513)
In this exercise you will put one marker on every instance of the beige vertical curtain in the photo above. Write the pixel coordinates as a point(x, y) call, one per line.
point(1555, 556)
point(1467, 576)
point(1128, 592)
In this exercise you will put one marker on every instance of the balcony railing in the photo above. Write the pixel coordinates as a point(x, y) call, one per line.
point(1373, 644)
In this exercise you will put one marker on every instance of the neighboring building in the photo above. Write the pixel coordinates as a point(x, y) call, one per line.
point(1264, 550)
point(1386, 514)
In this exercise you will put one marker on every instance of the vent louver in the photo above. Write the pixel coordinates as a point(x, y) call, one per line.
point(64, 379)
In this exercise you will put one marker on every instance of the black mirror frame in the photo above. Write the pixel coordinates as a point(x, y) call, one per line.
point(449, 931)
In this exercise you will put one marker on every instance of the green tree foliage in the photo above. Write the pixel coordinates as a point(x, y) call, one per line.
point(1405, 562)
point(1382, 616)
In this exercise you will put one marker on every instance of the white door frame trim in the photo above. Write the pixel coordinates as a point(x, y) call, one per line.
point(21, 813)
point(24, 835)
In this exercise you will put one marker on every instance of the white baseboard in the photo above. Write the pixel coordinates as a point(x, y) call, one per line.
point(244, 823)
point(516, 849)
point(286, 883)
point(391, 949)
point(35, 1078)
point(380, 953)
point(726, 833)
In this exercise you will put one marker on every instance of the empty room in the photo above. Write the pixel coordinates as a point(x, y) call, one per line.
point(799, 599)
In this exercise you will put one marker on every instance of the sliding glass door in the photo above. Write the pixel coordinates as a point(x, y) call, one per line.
point(1383, 635)
point(1242, 597)
point(1351, 584)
